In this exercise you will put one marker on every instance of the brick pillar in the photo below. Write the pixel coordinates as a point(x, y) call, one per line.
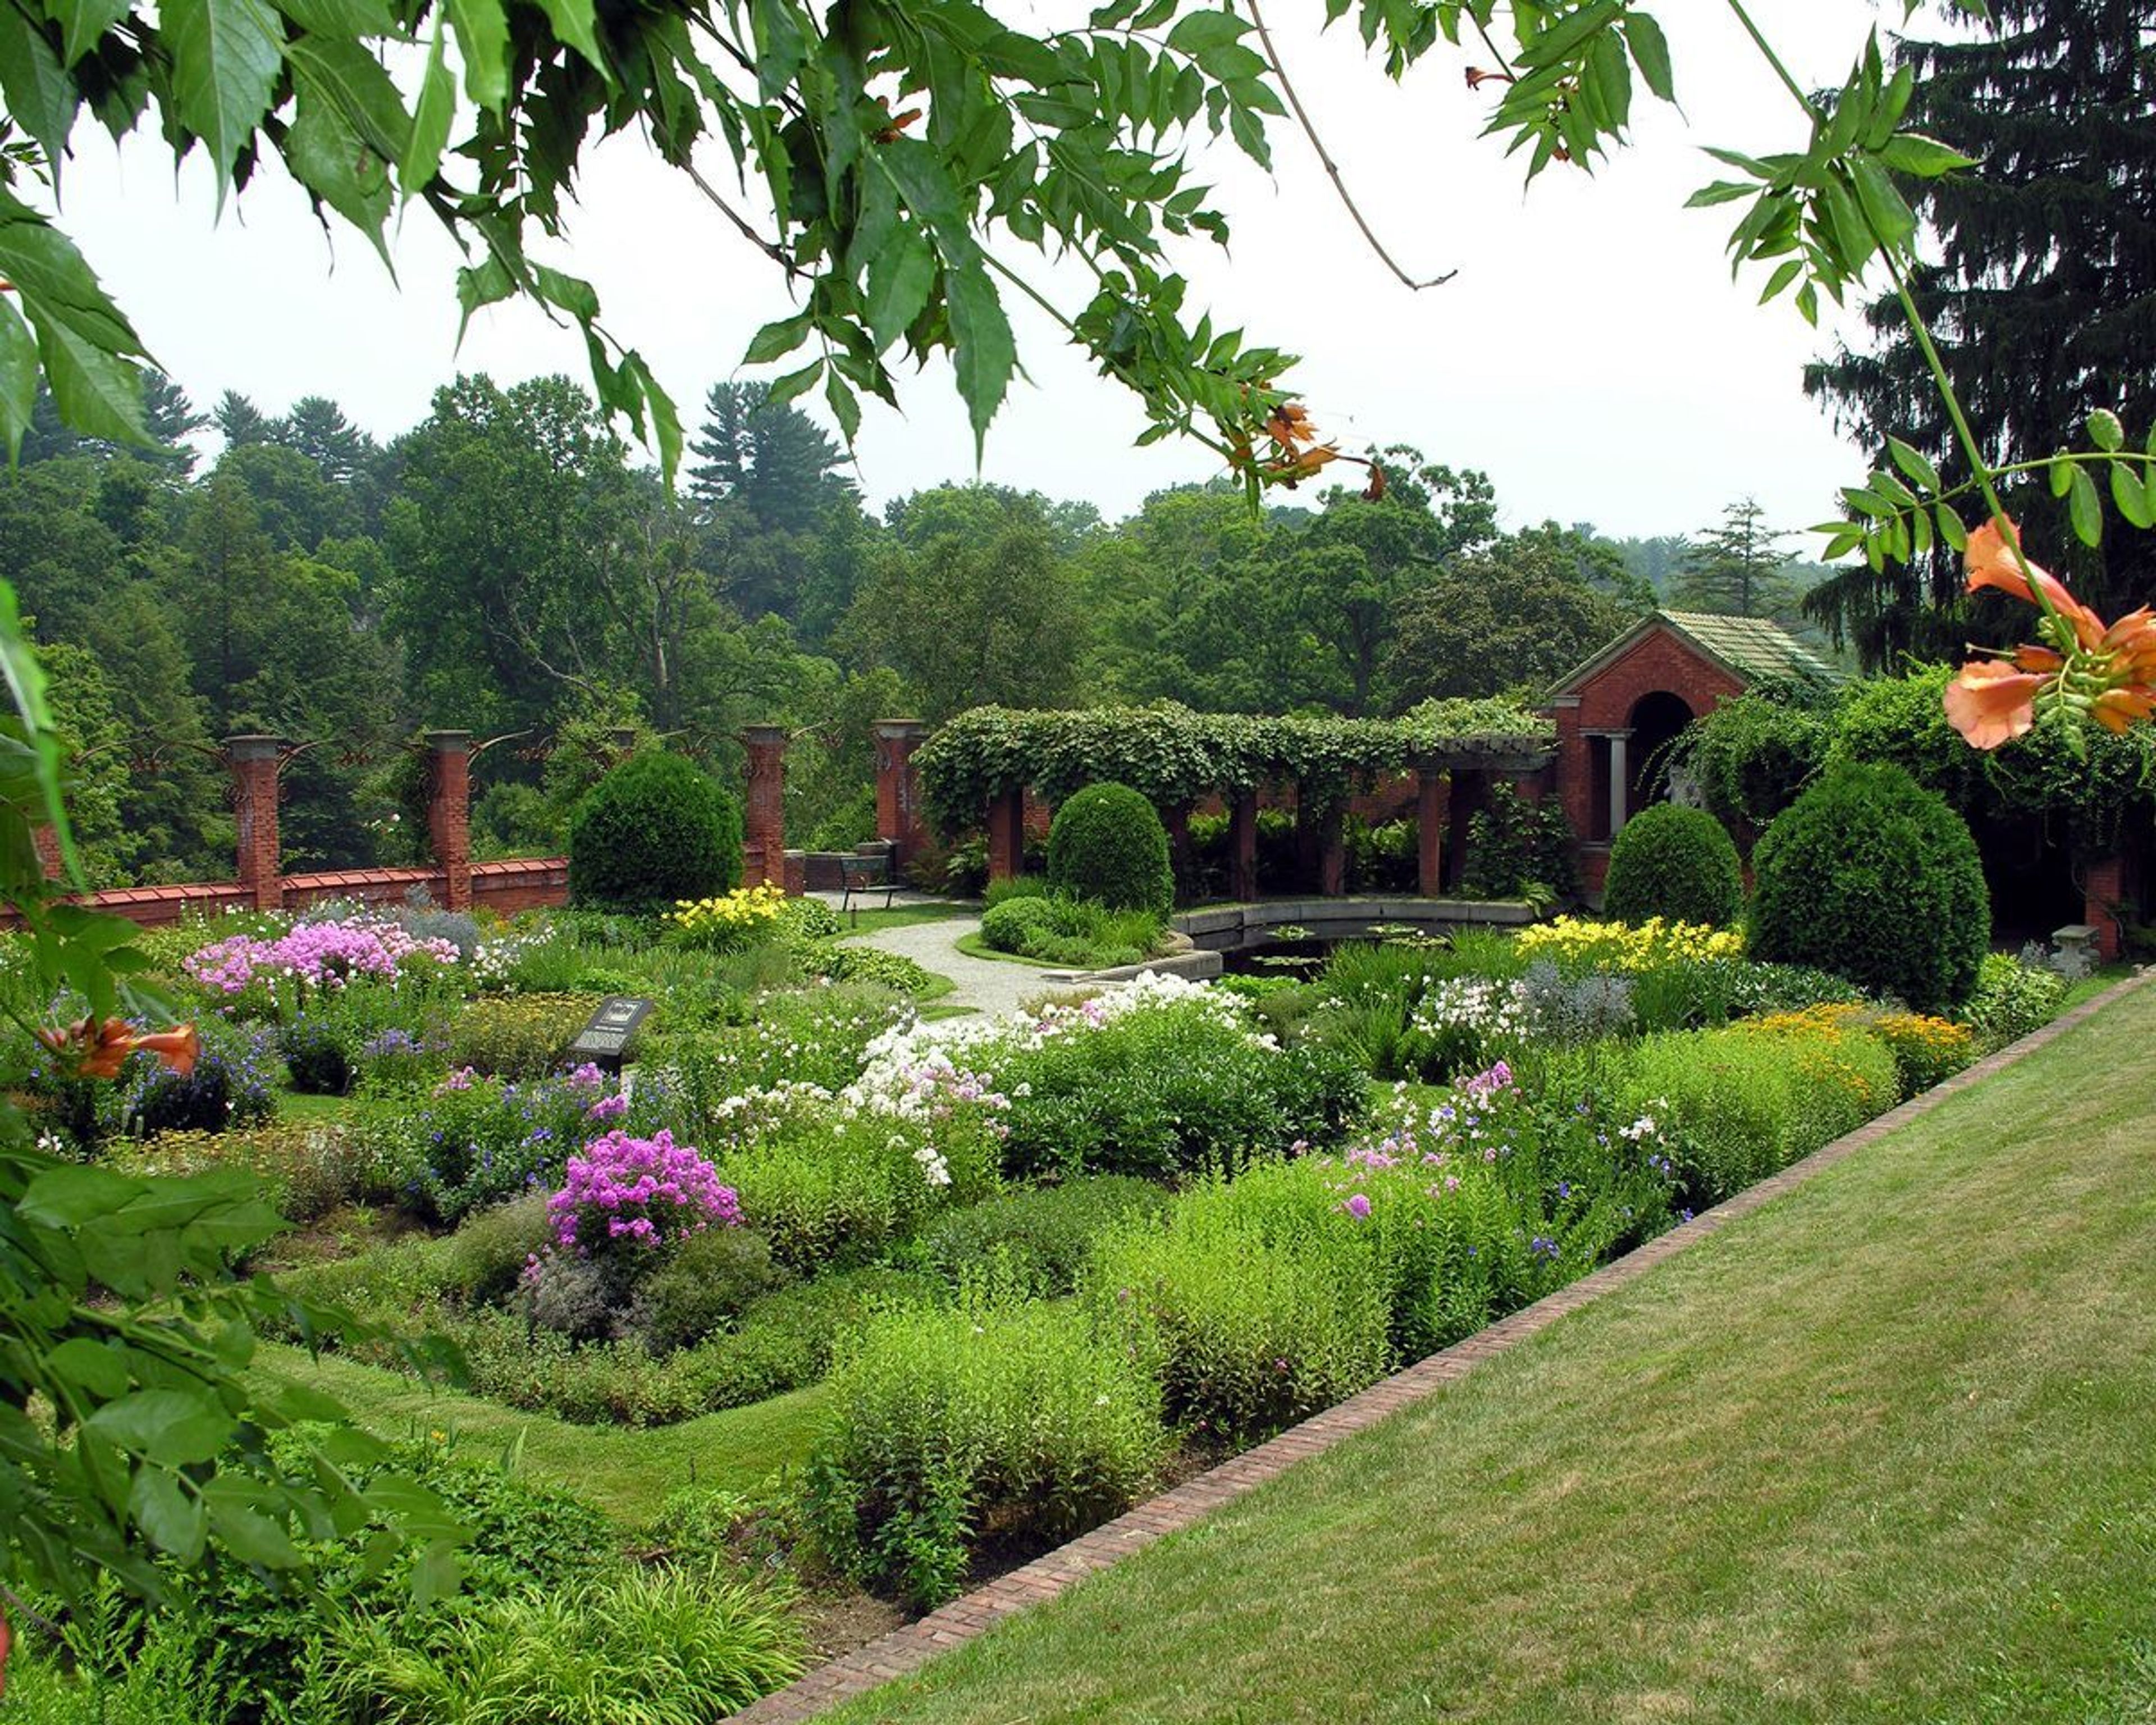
point(763, 839)
point(1177, 821)
point(899, 818)
point(449, 813)
point(1432, 800)
point(2103, 896)
point(1243, 847)
point(1007, 836)
point(1332, 854)
point(254, 767)
point(45, 838)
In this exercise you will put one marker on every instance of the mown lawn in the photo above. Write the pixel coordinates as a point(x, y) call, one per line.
point(1884, 1451)
point(624, 1470)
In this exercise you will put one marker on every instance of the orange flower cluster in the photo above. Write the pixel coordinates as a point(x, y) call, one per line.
point(2107, 672)
point(99, 1051)
point(1296, 454)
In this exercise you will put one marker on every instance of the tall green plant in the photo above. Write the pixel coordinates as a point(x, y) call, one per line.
point(128, 1428)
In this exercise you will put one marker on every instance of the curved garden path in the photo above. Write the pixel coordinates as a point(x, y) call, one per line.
point(984, 985)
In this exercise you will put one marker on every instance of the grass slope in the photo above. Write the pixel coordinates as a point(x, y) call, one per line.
point(1884, 1451)
point(625, 1471)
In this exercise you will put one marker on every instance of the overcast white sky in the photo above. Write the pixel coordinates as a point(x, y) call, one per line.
point(1592, 353)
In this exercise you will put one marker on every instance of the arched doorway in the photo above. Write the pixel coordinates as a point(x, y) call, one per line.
point(1656, 718)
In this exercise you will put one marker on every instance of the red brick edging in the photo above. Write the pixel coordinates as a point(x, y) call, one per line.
point(905, 1651)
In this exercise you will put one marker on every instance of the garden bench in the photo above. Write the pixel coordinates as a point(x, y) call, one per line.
point(859, 876)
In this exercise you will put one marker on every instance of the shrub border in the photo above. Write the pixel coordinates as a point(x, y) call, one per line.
point(905, 1651)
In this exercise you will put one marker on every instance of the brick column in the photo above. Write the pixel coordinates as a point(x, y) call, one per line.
point(1007, 836)
point(1433, 801)
point(2103, 896)
point(1177, 821)
point(899, 818)
point(255, 768)
point(45, 839)
point(449, 813)
point(1243, 847)
point(763, 839)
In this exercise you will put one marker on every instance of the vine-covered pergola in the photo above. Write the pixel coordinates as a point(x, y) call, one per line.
point(979, 766)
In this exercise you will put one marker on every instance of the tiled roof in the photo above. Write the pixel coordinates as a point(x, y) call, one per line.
point(1753, 646)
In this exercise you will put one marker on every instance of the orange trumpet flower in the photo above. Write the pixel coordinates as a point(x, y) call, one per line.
point(100, 1050)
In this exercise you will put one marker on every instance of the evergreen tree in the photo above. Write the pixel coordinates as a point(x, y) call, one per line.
point(170, 418)
point(774, 461)
point(318, 429)
point(1735, 569)
point(2043, 299)
point(240, 422)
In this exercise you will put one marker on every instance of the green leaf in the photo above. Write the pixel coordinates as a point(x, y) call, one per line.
point(82, 22)
point(2131, 496)
point(41, 97)
point(1921, 157)
point(572, 22)
point(169, 1517)
point(2105, 431)
point(482, 27)
point(353, 21)
point(1197, 31)
point(568, 293)
point(90, 1366)
point(70, 1197)
point(2084, 509)
point(422, 159)
point(845, 406)
point(794, 384)
point(665, 417)
point(1912, 462)
point(1651, 54)
point(169, 1427)
point(227, 55)
point(326, 156)
point(1784, 273)
point(1952, 530)
point(901, 276)
point(348, 74)
point(18, 377)
point(1229, 62)
point(2062, 472)
point(775, 341)
point(483, 284)
point(1548, 47)
point(984, 352)
point(236, 1513)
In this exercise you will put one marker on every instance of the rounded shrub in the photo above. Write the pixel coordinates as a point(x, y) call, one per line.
point(1107, 844)
point(1677, 864)
point(1005, 926)
point(1872, 877)
point(653, 831)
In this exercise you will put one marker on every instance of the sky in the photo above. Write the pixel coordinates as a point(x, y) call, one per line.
point(1591, 354)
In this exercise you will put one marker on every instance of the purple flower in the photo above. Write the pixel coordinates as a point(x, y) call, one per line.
point(1358, 1206)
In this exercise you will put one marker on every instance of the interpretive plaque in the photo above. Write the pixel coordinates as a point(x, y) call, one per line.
point(605, 1039)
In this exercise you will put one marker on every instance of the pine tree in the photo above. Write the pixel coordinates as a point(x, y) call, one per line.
point(2043, 299)
point(1735, 569)
point(240, 422)
point(774, 461)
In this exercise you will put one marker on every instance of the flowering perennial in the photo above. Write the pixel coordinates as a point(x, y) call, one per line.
point(734, 919)
point(648, 1191)
point(327, 954)
point(1580, 945)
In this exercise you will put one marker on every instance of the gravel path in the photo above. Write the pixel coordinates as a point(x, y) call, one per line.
point(984, 984)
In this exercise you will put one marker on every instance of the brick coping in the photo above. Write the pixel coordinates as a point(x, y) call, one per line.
point(905, 1651)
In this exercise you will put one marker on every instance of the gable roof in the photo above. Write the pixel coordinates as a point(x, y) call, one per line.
point(1751, 648)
